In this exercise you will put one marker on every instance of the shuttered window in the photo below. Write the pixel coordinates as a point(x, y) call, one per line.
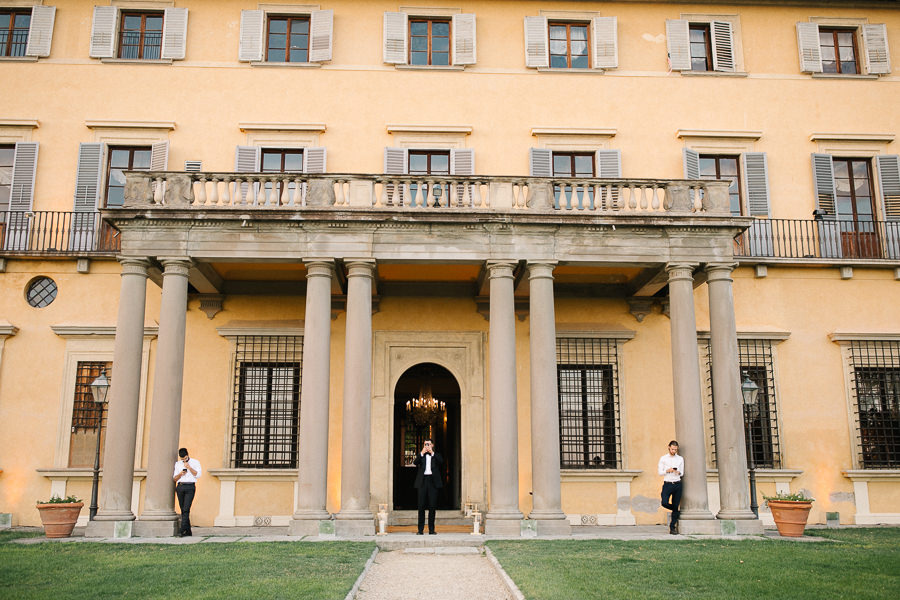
point(120, 159)
point(429, 42)
point(141, 35)
point(14, 26)
point(839, 50)
point(287, 39)
point(429, 162)
point(724, 168)
point(747, 172)
point(7, 153)
point(844, 50)
point(569, 45)
point(700, 46)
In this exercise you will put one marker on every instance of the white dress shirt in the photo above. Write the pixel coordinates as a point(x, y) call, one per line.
point(188, 477)
point(666, 462)
point(427, 464)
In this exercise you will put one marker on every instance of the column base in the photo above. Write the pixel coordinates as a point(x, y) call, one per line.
point(721, 527)
point(308, 526)
point(109, 529)
point(504, 527)
point(553, 527)
point(736, 515)
point(156, 528)
point(5, 520)
point(354, 528)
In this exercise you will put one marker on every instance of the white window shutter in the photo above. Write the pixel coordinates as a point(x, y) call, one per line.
point(823, 176)
point(21, 193)
point(756, 174)
point(609, 164)
point(537, 47)
point(605, 42)
point(314, 160)
point(159, 156)
point(395, 38)
point(722, 46)
point(174, 37)
point(878, 56)
point(321, 39)
point(540, 162)
point(251, 45)
point(462, 161)
point(464, 39)
point(691, 160)
point(395, 161)
point(40, 32)
point(246, 159)
point(808, 44)
point(87, 176)
point(677, 42)
point(889, 178)
point(103, 32)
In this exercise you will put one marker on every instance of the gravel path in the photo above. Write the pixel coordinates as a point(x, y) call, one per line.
point(432, 574)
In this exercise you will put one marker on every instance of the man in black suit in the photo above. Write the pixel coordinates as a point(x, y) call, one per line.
point(428, 482)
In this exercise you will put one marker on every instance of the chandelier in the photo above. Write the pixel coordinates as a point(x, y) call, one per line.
point(425, 409)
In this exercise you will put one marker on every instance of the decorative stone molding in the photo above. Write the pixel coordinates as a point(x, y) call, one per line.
point(734, 134)
point(640, 307)
point(622, 478)
point(861, 479)
point(233, 329)
point(107, 124)
point(211, 304)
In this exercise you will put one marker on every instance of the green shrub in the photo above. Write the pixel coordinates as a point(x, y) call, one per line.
point(790, 497)
point(54, 499)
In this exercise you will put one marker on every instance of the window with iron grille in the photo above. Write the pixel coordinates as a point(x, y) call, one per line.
point(589, 428)
point(266, 413)
point(87, 422)
point(875, 389)
point(14, 25)
point(141, 35)
point(760, 418)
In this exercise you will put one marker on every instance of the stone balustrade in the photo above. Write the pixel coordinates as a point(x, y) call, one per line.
point(638, 197)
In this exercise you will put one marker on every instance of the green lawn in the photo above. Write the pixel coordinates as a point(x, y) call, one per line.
point(226, 570)
point(857, 564)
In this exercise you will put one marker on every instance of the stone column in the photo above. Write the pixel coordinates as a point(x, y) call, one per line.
point(158, 517)
point(546, 484)
point(731, 451)
point(124, 399)
point(355, 517)
point(312, 455)
point(688, 404)
point(503, 515)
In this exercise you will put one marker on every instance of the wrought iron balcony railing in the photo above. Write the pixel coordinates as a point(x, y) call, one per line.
point(56, 233)
point(820, 239)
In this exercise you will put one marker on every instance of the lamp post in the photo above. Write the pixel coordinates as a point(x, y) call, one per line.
point(750, 391)
point(99, 389)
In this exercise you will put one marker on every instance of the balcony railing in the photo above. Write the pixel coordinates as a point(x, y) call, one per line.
point(56, 233)
point(820, 239)
point(639, 197)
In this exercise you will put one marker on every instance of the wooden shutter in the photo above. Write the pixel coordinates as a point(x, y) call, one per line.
point(605, 44)
point(679, 48)
point(174, 33)
point(537, 48)
point(609, 164)
point(159, 156)
point(251, 45)
point(87, 176)
point(314, 160)
point(246, 159)
point(103, 32)
point(395, 39)
point(823, 176)
point(540, 162)
point(878, 57)
point(889, 179)
point(808, 43)
point(21, 197)
point(464, 39)
point(321, 28)
point(691, 160)
point(756, 173)
point(40, 32)
point(462, 161)
point(722, 46)
point(395, 161)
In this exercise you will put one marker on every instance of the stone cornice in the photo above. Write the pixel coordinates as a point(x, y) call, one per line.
point(107, 124)
point(82, 331)
point(872, 474)
point(886, 138)
point(846, 336)
point(80, 473)
point(418, 128)
point(29, 123)
point(734, 134)
point(243, 328)
point(605, 132)
point(319, 127)
point(599, 475)
point(7, 330)
point(254, 474)
point(775, 336)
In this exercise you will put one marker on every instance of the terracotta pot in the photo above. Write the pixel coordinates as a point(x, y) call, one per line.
point(59, 518)
point(790, 516)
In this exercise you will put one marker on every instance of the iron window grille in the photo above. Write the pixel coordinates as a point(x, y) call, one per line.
point(761, 418)
point(589, 424)
point(266, 413)
point(14, 25)
point(875, 388)
point(85, 416)
point(141, 35)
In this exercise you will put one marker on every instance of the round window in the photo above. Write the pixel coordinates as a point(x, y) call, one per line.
point(41, 292)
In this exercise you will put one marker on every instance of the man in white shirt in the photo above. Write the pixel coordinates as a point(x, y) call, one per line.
point(428, 482)
point(187, 472)
point(671, 467)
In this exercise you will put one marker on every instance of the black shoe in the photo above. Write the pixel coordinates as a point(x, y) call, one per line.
point(179, 534)
point(432, 533)
point(418, 533)
point(673, 531)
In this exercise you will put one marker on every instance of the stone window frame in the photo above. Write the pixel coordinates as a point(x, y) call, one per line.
point(856, 24)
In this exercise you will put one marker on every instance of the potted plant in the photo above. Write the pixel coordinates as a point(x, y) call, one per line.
point(790, 512)
point(59, 515)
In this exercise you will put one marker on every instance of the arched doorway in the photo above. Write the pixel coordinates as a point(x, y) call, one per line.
point(412, 426)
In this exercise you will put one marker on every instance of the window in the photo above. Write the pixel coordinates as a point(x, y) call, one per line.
point(569, 45)
point(843, 47)
point(266, 413)
point(761, 418)
point(746, 172)
point(703, 43)
point(281, 161)
point(701, 48)
point(141, 36)
point(429, 162)
point(86, 420)
point(123, 158)
point(7, 155)
point(287, 39)
point(875, 393)
point(41, 292)
point(14, 26)
point(838, 48)
point(587, 376)
point(854, 204)
point(573, 164)
point(724, 168)
point(429, 42)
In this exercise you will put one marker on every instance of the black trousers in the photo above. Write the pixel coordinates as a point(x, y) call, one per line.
point(672, 489)
point(185, 493)
point(428, 495)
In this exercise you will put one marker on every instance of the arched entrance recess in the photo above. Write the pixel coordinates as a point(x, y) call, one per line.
point(439, 419)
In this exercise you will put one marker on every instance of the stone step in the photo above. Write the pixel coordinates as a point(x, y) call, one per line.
point(427, 543)
point(442, 517)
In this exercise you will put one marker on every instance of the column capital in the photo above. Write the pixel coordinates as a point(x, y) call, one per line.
point(722, 270)
point(177, 265)
point(360, 267)
point(134, 266)
point(541, 269)
point(501, 268)
point(680, 271)
point(319, 267)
